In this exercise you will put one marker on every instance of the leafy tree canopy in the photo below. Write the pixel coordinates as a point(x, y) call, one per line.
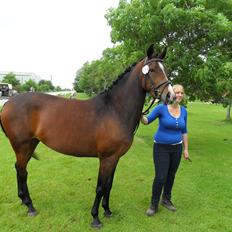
point(11, 79)
point(28, 85)
point(45, 86)
point(198, 34)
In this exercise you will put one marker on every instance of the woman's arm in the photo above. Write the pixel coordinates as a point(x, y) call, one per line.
point(153, 115)
point(185, 141)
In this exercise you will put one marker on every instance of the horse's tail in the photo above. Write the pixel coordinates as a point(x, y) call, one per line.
point(2, 125)
point(1, 120)
point(35, 156)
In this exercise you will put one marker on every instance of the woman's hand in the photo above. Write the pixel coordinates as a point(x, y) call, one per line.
point(144, 120)
point(186, 154)
point(185, 147)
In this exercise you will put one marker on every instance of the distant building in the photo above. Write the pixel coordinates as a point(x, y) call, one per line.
point(22, 76)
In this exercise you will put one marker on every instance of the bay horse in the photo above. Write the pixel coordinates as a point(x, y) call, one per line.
point(102, 126)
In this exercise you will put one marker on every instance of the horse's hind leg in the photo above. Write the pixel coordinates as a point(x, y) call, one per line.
point(23, 155)
point(23, 192)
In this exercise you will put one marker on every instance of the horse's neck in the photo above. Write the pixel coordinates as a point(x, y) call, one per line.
point(128, 99)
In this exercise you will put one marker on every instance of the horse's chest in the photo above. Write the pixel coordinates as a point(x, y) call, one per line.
point(113, 138)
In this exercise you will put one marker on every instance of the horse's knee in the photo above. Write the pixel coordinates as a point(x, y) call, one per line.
point(105, 203)
point(99, 191)
point(20, 194)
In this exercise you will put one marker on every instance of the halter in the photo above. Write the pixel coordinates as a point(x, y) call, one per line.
point(146, 71)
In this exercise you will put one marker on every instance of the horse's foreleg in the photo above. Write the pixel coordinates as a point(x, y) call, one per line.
point(106, 196)
point(107, 167)
point(23, 192)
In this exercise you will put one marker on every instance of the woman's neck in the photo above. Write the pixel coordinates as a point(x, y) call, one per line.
point(174, 105)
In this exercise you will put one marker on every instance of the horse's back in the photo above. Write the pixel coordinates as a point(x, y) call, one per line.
point(52, 120)
point(74, 127)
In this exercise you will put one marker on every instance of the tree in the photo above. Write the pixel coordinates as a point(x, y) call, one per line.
point(195, 31)
point(45, 86)
point(76, 84)
point(58, 88)
point(28, 85)
point(198, 34)
point(224, 85)
point(10, 78)
point(96, 76)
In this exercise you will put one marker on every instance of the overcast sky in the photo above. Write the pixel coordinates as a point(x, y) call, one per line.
point(52, 38)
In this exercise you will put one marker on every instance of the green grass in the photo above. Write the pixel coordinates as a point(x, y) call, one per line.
point(63, 187)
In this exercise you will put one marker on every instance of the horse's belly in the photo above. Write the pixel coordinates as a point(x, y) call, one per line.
point(80, 148)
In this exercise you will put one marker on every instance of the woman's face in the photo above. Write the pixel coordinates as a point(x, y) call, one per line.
point(179, 94)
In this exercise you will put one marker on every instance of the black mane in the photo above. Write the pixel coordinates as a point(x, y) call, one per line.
point(121, 76)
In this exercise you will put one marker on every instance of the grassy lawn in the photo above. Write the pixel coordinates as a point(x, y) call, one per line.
point(63, 187)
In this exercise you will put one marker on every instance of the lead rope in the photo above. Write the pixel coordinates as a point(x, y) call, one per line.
point(147, 110)
point(144, 113)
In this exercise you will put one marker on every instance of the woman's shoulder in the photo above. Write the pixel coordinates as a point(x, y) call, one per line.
point(183, 109)
point(161, 106)
point(158, 108)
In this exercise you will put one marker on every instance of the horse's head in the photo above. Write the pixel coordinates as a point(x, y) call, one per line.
point(154, 77)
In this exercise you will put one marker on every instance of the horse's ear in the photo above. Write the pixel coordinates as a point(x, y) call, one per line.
point(163, 54)
point(150, 51)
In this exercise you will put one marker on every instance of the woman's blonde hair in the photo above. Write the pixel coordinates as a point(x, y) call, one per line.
point(178, 86)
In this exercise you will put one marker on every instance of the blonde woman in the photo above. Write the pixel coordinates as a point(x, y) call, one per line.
point(170, 141)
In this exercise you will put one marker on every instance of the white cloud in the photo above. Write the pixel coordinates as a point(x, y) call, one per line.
point(52, 37)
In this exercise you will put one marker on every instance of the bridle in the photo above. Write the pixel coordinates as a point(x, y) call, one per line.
point(146, 72)
point(156, 89)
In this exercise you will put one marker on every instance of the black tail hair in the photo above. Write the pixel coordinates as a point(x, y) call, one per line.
point(35, 156)
point(2, 125)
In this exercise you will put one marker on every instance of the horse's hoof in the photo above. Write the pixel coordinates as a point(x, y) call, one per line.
point(96, 224)
point(108, 214)
point(32, 213)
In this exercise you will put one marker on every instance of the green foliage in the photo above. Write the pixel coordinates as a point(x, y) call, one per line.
point(96, 76)
point(192, 30)
point(42, 86)
point(45, 86)
point(58, 88)
point(63, 187)
point(11, 79)
point(28, 85)
point(198, 34)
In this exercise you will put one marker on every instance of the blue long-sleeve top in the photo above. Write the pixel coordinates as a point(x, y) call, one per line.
point(170, 129)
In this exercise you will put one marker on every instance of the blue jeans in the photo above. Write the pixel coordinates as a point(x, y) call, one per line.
point(166, 160)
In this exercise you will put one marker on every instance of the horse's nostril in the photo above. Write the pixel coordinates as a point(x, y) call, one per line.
point(170, 98)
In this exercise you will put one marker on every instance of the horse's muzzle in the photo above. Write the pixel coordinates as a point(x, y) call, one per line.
point(170, 98)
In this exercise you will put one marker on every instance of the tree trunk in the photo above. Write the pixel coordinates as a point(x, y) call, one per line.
point(228, 112)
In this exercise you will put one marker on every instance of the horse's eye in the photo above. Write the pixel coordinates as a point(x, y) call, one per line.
point(152, 70)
